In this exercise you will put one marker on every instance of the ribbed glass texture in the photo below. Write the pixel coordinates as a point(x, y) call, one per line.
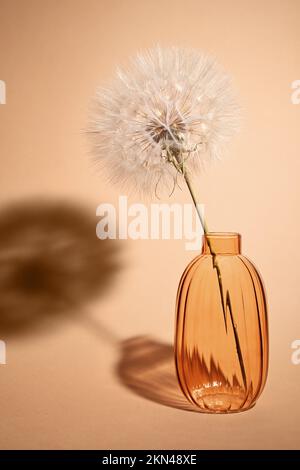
point(221, 340)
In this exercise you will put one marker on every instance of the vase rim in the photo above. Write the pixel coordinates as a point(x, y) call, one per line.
point(222, 234)
point(225, 243)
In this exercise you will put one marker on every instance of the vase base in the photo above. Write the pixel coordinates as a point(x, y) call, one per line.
point(222, 412)
point(220, 403)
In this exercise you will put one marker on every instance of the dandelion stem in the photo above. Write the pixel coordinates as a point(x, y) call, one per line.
point(194, 198)
point(226, 303)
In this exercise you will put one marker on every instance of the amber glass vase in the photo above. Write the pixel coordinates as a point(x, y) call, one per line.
point(221, 341)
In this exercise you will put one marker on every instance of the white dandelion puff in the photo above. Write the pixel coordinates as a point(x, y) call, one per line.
point(172, 109)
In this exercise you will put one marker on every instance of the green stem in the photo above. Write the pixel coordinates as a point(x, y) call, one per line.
point(226, 304)
point(193, 195)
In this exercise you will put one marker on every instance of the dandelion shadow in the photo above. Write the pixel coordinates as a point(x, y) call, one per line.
point(51, 264)
point(147, 368)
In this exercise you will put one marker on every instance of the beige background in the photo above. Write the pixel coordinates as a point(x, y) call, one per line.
point(62, 386)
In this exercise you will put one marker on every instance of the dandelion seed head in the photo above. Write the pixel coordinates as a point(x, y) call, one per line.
point(168, 101)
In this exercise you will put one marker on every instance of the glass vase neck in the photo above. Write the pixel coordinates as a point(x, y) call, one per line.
point(221, 243)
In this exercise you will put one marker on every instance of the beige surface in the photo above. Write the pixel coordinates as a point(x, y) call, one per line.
point(61, 387)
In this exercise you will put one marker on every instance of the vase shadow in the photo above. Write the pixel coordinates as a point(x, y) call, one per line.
point(147, 368)
point(51, 264)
